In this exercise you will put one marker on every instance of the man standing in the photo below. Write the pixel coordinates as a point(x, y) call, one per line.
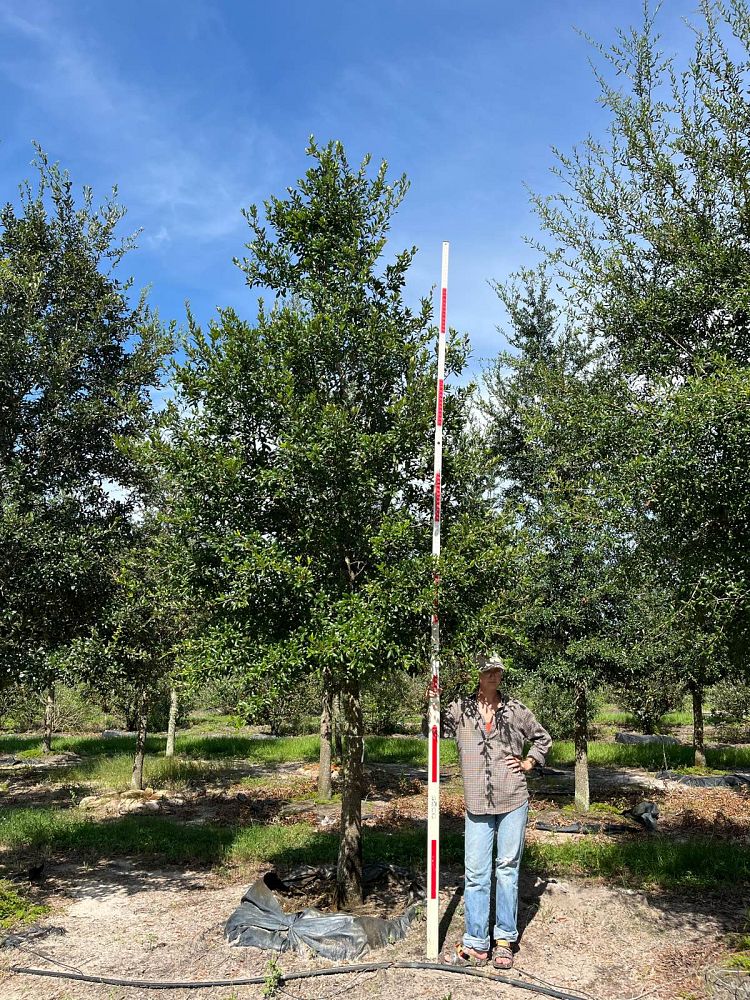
point(491, 731)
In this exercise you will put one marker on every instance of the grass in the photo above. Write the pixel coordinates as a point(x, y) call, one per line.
point(156, 839)
point(610, 715)
point(405, 751)
point(15, 909)
point(651, 862)
point(648, 862)
point(211, 723)
point(652, 757)
point(678, 718)
point(160, 772)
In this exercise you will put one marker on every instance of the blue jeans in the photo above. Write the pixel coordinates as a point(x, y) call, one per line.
point(480, 834)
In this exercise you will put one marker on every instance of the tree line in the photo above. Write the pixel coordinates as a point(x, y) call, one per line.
point(273, 520)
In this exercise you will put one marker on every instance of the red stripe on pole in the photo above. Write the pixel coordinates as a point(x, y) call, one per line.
point(441, 385)
point(443, 308)
point(433, 869)
point(437, 496)
point(434, 753)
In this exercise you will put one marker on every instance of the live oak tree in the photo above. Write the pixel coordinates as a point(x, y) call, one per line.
point(300, 456)
point(76, 361)
point(649, 236)
point(137, 643)
point(555, 416)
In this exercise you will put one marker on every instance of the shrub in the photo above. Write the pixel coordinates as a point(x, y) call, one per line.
point(552, 704)
point(729, 705)
point(389, 703)
point(22, 710)
point(648, 698)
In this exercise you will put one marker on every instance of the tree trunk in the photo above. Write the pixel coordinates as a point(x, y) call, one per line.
point(172, 724)
point(336, 726)
point(326, 722)
point(699, 749)
point(49, 720)
point(349, 870)
point(140, 743)
point(581, 740)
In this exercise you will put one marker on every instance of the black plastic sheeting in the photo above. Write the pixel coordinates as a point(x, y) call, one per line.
point(261, 922)
point(706, 780)
point(585, 827)
point(643, 739)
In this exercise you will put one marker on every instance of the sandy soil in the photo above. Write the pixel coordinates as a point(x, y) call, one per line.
point(594, 940)
point(590, 939)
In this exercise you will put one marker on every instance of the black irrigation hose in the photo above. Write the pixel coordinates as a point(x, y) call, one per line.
point(337, 970)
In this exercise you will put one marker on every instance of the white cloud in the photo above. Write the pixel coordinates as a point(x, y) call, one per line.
point(169, 172)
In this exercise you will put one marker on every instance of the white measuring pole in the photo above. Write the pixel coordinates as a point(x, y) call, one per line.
point(433, 716)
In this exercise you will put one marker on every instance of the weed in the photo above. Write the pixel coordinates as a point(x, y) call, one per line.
point(739, 962)
point(15, 909)
point(274, 976)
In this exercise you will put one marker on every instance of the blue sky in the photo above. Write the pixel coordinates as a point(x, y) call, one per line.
point(196, 109)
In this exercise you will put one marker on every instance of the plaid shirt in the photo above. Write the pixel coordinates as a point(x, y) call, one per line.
point(489, 784)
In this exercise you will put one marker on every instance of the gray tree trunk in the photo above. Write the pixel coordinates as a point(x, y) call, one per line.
point(337, 726)
point(349, 869)
point(699, 748)
point(49, 720)
point(581, 741)
point(140, 743)
point(172, 724)
point(326, 725)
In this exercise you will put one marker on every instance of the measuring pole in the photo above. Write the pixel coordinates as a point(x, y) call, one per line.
point(433, 715)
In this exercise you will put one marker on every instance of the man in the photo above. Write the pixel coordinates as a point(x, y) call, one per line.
point(491, 731)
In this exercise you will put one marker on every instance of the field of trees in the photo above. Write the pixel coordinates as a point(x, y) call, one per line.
point(214, 613)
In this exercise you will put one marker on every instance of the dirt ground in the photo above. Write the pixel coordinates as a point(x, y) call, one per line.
point(599, 941)
point(592, 940)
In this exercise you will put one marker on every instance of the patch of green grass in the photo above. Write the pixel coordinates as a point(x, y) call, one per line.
point(738, 962)
point(18, 744)
point(159, 772)
point(262, 751)
point(407, 750)
point(76, 835)
point(598, 807)
point(15, 909)
point(656, 861)
point(611, 716)
point(203, 723)
point(652, 757)
point(158, 839)
point(652, 861)
point(678, 718)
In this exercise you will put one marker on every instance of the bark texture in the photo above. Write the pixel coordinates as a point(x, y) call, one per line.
point(699, 748)
point(49, 719)
point(172, 724)
point(326, 735)
point(349, 869)
point(140, 743)
point(337, 726)
point(581, 741)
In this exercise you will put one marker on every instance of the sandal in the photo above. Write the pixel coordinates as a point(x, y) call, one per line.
point(463, 957)
point(502, 955)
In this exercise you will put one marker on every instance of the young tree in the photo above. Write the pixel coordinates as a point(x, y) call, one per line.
point(651, 236)
point(300, 457)
point(134, 647)
point(554, 415)
point(76, 362)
